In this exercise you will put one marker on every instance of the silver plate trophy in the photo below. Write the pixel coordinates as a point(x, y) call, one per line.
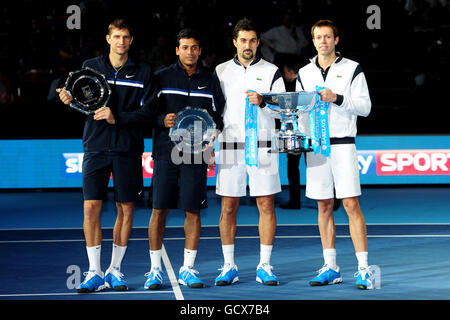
point(89, 89)
point(193, 131)
point(290, 105)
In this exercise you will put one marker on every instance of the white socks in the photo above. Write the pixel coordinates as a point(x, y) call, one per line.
point(329, 256)
point(228, 254)
point(265, 253)
point(117, 255)
point(94, 258)
point(362, 259)
point(94, 254)
point(189, 258)
point(155, 258)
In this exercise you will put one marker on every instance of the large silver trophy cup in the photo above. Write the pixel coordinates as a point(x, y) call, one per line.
point(290, 105)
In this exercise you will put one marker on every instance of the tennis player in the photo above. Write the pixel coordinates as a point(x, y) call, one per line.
point(243, 79)
point(181, 185)
point(113, 143)
point(346, 91)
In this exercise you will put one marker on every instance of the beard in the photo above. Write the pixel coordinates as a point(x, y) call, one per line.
point(247, 55)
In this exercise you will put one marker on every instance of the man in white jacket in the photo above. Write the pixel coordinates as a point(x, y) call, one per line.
point(243, 79)
point(348, 97)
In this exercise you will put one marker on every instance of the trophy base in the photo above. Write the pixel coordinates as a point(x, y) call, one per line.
point(293, 144)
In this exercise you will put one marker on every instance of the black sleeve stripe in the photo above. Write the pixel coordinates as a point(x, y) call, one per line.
point(358, 70)
point(300, 81)
point(276, 76)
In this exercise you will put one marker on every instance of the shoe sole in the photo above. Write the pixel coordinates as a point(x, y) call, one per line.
point(86, 290)
point(194, 285)
point(116, 288)
point(361, 287)
point(318, 284)
point(154, 287)
point(226, 283)
point(267, 283)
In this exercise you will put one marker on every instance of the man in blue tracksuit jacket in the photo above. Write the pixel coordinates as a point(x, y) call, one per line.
point(113, 143)
point(180, 185)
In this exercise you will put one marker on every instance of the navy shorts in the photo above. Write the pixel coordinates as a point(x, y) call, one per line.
point(126, 170)
point(179, 186)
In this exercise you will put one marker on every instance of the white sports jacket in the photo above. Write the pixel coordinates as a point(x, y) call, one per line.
point(346, 79)
point(260, 76)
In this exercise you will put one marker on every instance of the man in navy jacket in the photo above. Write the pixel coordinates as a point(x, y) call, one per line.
point(113, 143)
point(180, 185)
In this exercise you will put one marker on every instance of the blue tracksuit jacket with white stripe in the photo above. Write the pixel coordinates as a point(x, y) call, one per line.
point(176, 91)
point(131, 102)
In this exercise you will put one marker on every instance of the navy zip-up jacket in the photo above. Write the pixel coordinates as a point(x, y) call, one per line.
point(177, 90)
point(131, 102)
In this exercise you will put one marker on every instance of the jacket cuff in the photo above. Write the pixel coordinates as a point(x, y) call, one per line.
point(339, 99)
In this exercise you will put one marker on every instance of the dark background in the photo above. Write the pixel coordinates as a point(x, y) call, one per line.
point(405, 62)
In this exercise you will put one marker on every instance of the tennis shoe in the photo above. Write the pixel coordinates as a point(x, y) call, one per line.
point(154, 279)
point(326, 275)
point(364, 279)
point(228, 275)
point(265, 275)
point(188, 277)
point(114, 279)
point(92, 282)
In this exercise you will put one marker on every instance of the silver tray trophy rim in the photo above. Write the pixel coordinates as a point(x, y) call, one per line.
point(292, 109)
point(99, 78)
point(207, 135)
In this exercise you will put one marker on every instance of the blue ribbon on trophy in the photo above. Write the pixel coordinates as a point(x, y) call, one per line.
point(251, 133)
point(318, 125)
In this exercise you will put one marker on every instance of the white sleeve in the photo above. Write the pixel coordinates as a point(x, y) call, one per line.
point(358, 102)
point(277, 87)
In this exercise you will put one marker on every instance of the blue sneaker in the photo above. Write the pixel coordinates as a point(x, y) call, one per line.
point(188, 277)
point(364, 279)
point(114, 280)
point(265, 275)
point(227, 276)
point(154, 279)
point(92, 282)
point(326, 275)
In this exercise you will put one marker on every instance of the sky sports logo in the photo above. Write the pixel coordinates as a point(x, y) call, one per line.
point(404, 162)
point(72, 165)
point(370, 162)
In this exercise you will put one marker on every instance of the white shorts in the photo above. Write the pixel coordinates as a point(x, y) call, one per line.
point(233, 173)
point(338, 171)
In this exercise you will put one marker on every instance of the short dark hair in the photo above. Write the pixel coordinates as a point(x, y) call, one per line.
point(120, 24)
point(188, 33)
point(325, 23)
point(245, 25)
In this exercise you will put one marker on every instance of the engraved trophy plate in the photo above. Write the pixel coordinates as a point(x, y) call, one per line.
point(193, 131)
point(89, 89)
point(290, 105)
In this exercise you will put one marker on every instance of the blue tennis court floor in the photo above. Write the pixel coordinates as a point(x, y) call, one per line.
point(41, 243)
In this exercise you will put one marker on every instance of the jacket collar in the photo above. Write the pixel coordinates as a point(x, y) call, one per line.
point(255, 61)
point(180, 66)
point(338, 59)
point(127, 64)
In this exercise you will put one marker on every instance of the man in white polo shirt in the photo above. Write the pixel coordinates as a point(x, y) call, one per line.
point(245, 141)
point(348, 97)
